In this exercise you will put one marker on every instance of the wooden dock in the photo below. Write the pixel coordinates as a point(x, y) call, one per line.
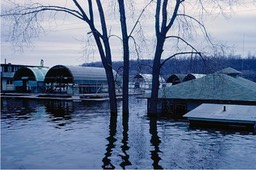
point(63, 97)
point(223, 115)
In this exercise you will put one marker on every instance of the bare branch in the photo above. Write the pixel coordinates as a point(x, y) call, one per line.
point(82, 11)
point(181, 53)
point(183, 40)
point(116, 37)
point(174, 15)
point(201, 25)
point(25, 21)
point(157, 17)
point(104, 32)
point(138, 19)
point(40, 8)
point(136, 47)
point(164, 15)
point(91, 11)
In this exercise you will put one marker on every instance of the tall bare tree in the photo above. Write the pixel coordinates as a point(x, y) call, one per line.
point(26, 22)
point(167, 14)
point(126, 56)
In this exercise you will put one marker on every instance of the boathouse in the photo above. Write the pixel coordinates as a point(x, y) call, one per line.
point(77, 80)
point(143, 82)
point(175, 78)
point(225, 86)
point(7, 73)
point(179, 78)
point(223, 115)
point(30, 79)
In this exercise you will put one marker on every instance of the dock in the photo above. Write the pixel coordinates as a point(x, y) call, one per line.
point(223, 115)
point(63, 97)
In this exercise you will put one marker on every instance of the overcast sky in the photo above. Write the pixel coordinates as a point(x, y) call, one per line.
point(66, 42)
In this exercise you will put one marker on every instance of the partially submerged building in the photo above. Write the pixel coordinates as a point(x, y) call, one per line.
point(7, 75)
point(175, 78)
point(179, 78)
point(223, 115)
point(30, 79)
point(226, 86)
point(77, 80)
point(143, 82)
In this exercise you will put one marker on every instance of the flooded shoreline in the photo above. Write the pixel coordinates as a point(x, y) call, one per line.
point(62, 134)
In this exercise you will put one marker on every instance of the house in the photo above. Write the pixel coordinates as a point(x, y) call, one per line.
point(77, 80)
point(225, 86)
point(30, 79)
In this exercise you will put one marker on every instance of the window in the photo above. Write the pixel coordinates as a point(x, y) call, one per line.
point(9, 81)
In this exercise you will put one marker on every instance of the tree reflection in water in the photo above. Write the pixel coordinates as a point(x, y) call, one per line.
point(125, 147)
point(155, 142)
point(111, 144)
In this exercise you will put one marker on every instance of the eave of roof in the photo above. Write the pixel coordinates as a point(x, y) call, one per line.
point(223, 113)
point(212, 87)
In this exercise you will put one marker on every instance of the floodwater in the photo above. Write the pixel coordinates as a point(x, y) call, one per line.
point(58, 134)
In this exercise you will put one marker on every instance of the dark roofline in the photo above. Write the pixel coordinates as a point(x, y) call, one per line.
point(21, 65)
point(212, 101)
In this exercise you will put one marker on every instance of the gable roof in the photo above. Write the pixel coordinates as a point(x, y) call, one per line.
point(212, 87)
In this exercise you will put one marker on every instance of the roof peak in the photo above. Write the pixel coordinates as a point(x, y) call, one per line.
point(229, 71)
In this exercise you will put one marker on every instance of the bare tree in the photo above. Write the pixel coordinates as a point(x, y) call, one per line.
point(126, 56)
point(26, 25)
point(126, 49)
point(167, 14)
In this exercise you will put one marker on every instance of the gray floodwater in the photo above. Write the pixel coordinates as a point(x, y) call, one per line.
point(59, 134)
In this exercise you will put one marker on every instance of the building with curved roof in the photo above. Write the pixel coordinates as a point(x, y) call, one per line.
point(179, 78)
point(143, 82)
point(175, 78)
point(30, 79)
point(76, 79)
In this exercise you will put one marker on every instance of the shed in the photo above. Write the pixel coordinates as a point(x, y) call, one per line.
point(76, 79)
point(224, 115)
point(30, 79)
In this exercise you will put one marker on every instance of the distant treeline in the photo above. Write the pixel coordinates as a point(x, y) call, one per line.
point(191, 65)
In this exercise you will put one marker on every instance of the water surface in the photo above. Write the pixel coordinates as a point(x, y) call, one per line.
point(60, 134)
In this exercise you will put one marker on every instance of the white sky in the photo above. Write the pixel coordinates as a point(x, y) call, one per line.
point(66, 42)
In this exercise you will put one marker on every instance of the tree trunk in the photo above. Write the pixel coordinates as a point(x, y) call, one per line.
point(111, 91)
point(107, 64)
point(125, 58)
point(106, 58)
point(155, 73)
